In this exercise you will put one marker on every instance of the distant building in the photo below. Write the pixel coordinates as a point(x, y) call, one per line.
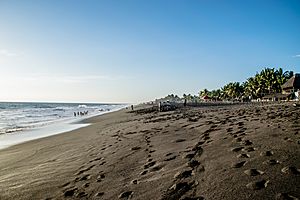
point(205, 98)
point(290, 90)
point(292, 85)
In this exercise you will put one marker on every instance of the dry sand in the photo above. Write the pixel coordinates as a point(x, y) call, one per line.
point(228, 152)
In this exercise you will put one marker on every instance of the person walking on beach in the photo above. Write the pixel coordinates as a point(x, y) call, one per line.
point(74, 114)
point(131, 107)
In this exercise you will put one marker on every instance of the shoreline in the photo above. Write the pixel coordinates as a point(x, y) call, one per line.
point(66, 125)
point(226, 152)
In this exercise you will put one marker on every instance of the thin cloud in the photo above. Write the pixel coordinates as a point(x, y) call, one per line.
point(5, 52)
point(297, 56)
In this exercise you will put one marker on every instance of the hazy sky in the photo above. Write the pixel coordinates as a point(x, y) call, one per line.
point(137, 50)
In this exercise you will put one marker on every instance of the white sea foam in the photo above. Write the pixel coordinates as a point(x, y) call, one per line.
point(21, 122)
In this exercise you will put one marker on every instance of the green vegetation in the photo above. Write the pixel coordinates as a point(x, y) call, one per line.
point(268, 81)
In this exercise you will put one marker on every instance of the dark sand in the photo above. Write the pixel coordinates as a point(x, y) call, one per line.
point(228, 152)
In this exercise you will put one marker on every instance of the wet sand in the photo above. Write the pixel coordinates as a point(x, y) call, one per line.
point(225, 152)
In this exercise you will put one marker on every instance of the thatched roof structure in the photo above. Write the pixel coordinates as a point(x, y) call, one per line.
point(292, 83)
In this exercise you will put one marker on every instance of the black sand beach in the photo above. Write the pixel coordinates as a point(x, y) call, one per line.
point(225, 152)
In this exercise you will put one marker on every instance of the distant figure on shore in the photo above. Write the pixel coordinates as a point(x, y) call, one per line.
point(159, 106)
point(184, 104)
point(81, 113)
point(131, 107)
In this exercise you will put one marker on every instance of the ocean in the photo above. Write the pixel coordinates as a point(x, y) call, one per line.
point(18, 117)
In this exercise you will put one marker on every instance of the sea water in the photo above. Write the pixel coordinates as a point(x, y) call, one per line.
point(20, 122)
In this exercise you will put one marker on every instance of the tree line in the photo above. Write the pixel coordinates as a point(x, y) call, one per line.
point(267, 81)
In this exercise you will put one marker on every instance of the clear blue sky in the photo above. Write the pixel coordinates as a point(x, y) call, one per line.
point(138, 50)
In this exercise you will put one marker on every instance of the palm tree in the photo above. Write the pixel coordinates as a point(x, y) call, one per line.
point(232, 90)
point(203, 93)
point(268, 81)
point(215, 94)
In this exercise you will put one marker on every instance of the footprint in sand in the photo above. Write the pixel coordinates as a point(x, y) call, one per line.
point(290, 170)
point(193, 163)
point(239, 164)
point(243, 155)
point(81, 194)
point(151, 151)
point(271, 162)
point(253, 172)
point(70, 192)
point(183, 174)
point(237, 149)
point(102, 163)
point(156, 168)
point(194, 198)
point(126, 194)
point(246, 142)
point(135, 148)
point(83, 178)
point(86, 185)
point(144, 172)
point(100, 177)
point(96, 159)
point(168, 154)
point(285, 196)
point(150, 164)
point(66, 184)
point(99, 194)
point(84, 170)
point(267, 153)
point(257, 185)
point(249, 149)
point(170, 158)
point(180, 140)
point(229, 129)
